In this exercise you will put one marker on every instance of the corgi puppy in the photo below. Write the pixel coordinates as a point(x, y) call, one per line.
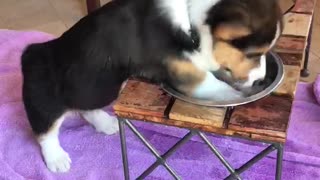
point(192, 45)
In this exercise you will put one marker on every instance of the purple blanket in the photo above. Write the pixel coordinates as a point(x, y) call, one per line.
point(97, 156)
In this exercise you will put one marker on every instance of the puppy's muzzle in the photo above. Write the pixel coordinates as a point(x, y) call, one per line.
point(239, 85)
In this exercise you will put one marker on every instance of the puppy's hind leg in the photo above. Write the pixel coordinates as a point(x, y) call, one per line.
point(43, 104)
point(46, 115)
point(56, 158)
point(102, 121)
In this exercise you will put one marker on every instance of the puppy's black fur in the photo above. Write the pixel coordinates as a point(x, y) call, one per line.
point(85, 67)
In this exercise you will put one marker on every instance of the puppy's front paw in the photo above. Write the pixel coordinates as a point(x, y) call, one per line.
point(57, 160)
point(102, 121)
point(108, 126)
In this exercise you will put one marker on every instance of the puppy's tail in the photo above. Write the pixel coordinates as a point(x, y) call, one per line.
point(38, 66)
point(33, 56)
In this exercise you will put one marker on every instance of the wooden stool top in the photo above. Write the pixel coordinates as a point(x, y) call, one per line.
point(266, 119)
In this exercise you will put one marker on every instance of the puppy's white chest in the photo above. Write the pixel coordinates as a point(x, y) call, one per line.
point(204, 58)
point(177, 12)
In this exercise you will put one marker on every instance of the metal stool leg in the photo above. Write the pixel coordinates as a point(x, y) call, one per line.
point(279, 161)
point(304, 71)
point(173, 149)
point(254, 160)
point(161, 159)
point(151, 148)
point(124, 148)
point(219, 155)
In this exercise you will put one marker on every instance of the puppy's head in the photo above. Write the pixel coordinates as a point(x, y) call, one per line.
point(243, 32)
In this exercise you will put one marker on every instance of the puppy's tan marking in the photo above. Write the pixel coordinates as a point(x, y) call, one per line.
point(229, 32)
point(259, 50)
point(185, 75)
point(233, 59)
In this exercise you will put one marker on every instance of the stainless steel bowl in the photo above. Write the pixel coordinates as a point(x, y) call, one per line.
point(273, 61)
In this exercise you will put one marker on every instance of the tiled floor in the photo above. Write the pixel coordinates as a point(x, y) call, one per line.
point(55, 16)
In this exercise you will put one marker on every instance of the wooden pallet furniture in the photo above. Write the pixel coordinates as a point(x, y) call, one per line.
point(299, 22)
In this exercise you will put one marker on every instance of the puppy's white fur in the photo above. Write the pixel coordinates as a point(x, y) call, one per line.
point(198, 10)
point(210, 88)
point(213, 89)
point(260, 71)
point(57, 160)
point(102, 121)
point(177, 11)
point(204, 58)
point(257, 73)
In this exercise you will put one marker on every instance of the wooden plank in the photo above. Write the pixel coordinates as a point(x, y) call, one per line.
point(142, 117)
point(142, 98)
point(265, 120)
point(188, 125)
point(289, 83)
point(291, 59)
point(176, 123)
point(268, 116)
point(268, 138)
point(297, 24)
point(285, 5)
point(304, 6)
point(290, 44)
point(202, 115)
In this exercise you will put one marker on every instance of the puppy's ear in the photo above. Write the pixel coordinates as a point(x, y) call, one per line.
point(229, 20)
point(234, 19)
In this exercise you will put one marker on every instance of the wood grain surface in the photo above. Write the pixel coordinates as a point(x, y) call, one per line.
point(209, 116)
point(304, 6)
point(297, 24)
point(290, 81)
point(142, 98)
point(268, 116)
